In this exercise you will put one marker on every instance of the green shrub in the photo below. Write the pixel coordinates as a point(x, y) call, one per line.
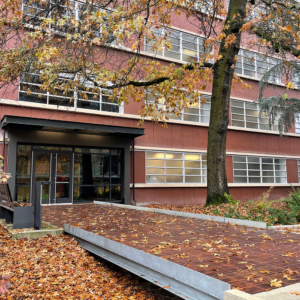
point(278, 216)
point(294, 202)
point(230, 200)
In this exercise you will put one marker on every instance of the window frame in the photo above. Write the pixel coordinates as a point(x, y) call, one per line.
point(162, 31)
point(262, 170)
point(76, 98)
point(202, 170)
point(259, 122)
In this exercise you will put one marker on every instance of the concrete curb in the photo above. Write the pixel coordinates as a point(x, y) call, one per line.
point(191, 215)
point(34, 234)
point(239, 295)
point(280, 227)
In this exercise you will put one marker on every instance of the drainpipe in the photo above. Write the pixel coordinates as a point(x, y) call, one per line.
point(3, 150)
point(133, 175)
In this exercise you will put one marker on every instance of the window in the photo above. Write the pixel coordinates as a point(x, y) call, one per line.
point(251, 169)
point(195, 112)
point(97, 175)
point(297, 123)
point(175, 167)
point(246, 114)
point(35, 9)
point(185, 47)
point(255, 65)
point(73, 98)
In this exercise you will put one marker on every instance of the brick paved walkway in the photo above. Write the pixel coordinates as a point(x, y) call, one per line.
point(245, 257)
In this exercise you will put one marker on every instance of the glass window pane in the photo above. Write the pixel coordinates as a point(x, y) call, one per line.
point(268, 173)
point(239, 158)
point(156, 155)
point(280, 167)
point(174, 171)
point(254, 173)
point(154, 163)
point(253, 166)
point(253, 159)
point(267, 160)
point(239, 166)
point(193, 179)
point(254, 179)
point(280, 180)
point(240, 179)
point(155, 171)
point(175, 179)
point(23, 194)
point(155, 179)
point(174, 163)
point(192, 164)
point(191, 118)
point(192, 156)
point(267, 167)
point(192, 172)
point(239, 173)
point(23, 164)
point(268, 179)
point(238, 123)
point(173, 155)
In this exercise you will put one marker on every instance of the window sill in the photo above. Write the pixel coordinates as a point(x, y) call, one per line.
point(187, 185)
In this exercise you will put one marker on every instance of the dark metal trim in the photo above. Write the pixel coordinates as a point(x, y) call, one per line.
point(133, 173)
point(39, 124)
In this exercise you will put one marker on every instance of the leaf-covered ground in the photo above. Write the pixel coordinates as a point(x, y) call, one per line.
point(58, 268)
point(251, 259)
point(251, 210)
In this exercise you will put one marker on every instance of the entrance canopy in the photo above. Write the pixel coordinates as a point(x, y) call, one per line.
point(69, 127)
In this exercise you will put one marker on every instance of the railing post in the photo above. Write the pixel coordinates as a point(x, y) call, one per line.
point(38, 206)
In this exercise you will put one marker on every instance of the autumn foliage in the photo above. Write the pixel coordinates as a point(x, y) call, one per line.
point(59, 268)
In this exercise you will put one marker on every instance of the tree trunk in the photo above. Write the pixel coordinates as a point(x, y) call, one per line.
point(219, 115)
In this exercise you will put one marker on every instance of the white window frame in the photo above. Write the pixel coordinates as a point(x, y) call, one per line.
point(257, 61)
point(261, 121)
point(162, 31)
point(202, 112)
point(75, 97)
point(274, 166)
point(297, 123)
point(150, 176)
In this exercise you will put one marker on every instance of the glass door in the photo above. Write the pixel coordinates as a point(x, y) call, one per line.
point(42, 172)
point(56, 168)
point(62, 184)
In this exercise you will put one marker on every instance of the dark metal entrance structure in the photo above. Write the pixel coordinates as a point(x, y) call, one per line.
point(53, 163)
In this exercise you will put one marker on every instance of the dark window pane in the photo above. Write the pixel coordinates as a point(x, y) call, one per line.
point(23, 96)
point(116, 193)
point(23, 164)
point(23, 194)
point(61, 101)
point(109, 107)
point(88, 105)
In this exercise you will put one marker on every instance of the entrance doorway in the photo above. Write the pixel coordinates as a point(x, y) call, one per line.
point(55, 168)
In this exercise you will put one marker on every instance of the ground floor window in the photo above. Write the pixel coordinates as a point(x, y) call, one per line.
point(75, 174)
point(252, 169)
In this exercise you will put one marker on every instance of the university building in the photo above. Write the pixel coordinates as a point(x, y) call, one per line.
point(93, 149)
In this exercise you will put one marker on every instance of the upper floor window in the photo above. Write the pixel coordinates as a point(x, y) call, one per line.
point(255, 65)
point(198, 112)
point(185, 47)
point(297, 123)
point(246, 114)
point(29, 90)
point(36, 10)
point(175, 167)
point(251, 169)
